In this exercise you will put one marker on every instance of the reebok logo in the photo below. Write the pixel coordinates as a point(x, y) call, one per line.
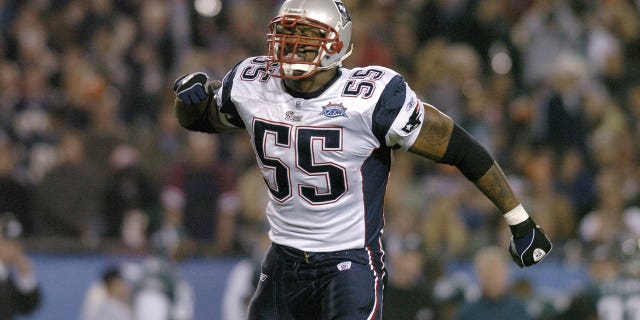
point(538, 254)
point(292, 116)
point(344, 265)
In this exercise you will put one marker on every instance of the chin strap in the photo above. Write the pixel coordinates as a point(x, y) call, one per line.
point(290, 68)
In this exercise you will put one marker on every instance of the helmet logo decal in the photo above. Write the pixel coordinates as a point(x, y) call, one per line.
point(343, 11)
point(334, 110)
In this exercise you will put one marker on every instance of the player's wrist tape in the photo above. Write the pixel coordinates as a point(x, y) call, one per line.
point(516, 215)
point(467, 154)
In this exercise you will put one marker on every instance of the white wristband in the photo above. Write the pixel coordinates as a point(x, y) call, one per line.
point(516, 215)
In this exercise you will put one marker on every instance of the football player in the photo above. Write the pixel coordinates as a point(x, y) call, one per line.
point(323, 137)
point(613, 292)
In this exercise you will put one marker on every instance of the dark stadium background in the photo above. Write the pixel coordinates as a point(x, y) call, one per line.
point(90, 149)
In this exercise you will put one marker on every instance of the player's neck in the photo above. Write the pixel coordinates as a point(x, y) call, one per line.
point(312, 83)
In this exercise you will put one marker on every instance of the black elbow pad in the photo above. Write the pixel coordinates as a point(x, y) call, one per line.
point(467, 154)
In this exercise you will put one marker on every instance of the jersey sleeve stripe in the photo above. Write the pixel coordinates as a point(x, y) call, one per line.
point(389, 105)
point(226, 105)
point(375, 174)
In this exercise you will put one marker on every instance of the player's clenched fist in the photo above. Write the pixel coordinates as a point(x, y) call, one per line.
point(193, 88)
point(529, 244)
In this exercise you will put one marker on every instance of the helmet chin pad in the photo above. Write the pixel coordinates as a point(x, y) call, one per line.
point(289, 70)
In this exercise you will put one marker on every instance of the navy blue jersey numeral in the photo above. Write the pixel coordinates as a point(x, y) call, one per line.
point(371, 74)
point(257, 70)
point(354, 88)
point(311, 142)
point(329, 140)
point(280, 185)
point(362, 83)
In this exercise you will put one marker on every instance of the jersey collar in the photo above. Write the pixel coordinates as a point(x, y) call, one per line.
point(315, 94)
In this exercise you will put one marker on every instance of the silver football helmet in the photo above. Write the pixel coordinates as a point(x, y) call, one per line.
point(332, 24)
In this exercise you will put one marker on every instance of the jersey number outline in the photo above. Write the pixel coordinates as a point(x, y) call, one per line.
point(309, 142)
point(362, 83)
point(257, 70)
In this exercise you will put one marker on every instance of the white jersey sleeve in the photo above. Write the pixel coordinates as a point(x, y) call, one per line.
point(226, 107)
point(399, 103)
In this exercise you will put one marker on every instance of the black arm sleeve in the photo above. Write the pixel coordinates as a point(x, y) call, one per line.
point(467, 154)
point(203, 124)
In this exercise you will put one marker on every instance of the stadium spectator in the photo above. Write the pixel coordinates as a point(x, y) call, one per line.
point(67, 198)
point(15, 195)
point(128, 192)
point(444, 232)
point(19, 289)
point(210, 205)
point(408, 292)
point(562, 120)
point(113, 302)
point(160, 292)
point(491, 266)
point(614, 284)
point(576, 182)
point(612, 217)
point(555, 209)
point(545, 30)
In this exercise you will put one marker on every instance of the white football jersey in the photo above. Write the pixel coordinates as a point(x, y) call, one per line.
point(325, 156)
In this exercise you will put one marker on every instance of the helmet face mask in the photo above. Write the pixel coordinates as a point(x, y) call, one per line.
point(299, 45)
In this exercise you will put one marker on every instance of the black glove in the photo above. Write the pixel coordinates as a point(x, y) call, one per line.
point(193, 88)
point(529, 244)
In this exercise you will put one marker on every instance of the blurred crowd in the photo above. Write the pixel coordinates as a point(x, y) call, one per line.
point(92, 158)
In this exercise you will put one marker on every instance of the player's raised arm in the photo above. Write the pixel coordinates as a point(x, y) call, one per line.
point(441, 140)
point(195, 106)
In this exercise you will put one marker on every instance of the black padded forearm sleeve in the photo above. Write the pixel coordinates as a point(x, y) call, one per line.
point(467, 154)
point(203, 124)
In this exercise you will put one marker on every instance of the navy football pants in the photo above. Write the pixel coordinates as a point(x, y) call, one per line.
point(341, 285)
